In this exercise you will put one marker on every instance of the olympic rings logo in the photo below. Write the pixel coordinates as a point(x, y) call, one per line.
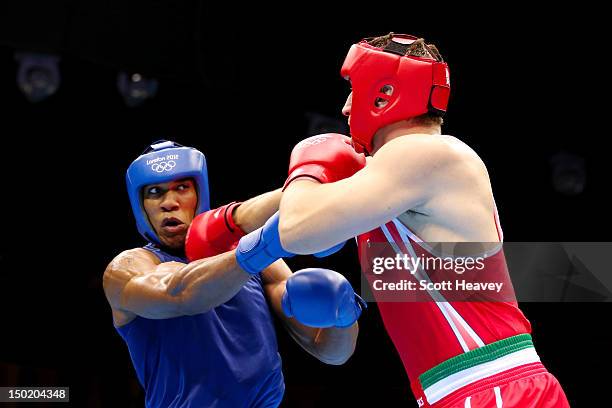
point(163, 166)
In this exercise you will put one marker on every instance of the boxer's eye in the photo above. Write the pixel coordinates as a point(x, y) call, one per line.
point(152, 191)
point(380, 102)
point(387, 90)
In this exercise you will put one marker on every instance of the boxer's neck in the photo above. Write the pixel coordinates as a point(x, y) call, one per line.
point(402, 128)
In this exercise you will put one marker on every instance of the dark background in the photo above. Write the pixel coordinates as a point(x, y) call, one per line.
point(241, 83)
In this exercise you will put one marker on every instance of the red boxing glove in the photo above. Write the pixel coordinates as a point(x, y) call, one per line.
point(326, 158)
point(212, 233)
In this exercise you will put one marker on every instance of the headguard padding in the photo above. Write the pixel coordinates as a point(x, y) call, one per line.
point(162, 162)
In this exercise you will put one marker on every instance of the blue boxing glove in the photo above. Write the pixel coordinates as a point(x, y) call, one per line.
point(321, 298)
point(262, 247)
point(259, 249)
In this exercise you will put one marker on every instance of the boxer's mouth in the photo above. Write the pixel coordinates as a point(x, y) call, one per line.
point(173, 225)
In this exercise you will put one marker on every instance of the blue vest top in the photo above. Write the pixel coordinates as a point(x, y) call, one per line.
point(227, 357)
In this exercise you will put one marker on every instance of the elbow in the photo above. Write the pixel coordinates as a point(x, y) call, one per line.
point(337, 361)
point(340, 355)
point(339, 358)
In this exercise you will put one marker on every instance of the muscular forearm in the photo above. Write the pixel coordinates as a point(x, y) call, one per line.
point(253, 213)
point(208, 283)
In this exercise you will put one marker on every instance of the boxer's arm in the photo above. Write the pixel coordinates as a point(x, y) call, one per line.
point(253, 213)
point(136, 282)
point(402, 175)
point(216, 231)
point(332, 345)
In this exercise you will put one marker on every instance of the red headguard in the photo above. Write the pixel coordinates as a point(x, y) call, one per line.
point(389, 86)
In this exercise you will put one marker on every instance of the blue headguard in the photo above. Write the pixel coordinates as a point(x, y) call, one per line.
point(162, 162)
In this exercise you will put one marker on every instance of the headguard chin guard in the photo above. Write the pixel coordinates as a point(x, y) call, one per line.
point(389, 86)
point(162, 162)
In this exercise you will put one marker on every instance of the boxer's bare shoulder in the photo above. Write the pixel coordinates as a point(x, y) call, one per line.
point(132, 262)
point(459, 204)
point(461, 148)
point(457, 160)
point(471, 165)
point(125, 266)
point(427, 155)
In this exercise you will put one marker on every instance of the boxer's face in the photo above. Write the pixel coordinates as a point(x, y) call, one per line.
point(171, 207)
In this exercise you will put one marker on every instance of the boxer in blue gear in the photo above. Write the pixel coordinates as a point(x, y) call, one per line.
point(200, 334)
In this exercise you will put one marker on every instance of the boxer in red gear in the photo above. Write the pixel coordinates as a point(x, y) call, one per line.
point(419, 187)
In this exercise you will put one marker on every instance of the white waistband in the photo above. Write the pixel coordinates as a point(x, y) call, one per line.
point(453, 382)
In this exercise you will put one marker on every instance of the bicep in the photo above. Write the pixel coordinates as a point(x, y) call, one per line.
point(147, 296)
point(135, 283)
